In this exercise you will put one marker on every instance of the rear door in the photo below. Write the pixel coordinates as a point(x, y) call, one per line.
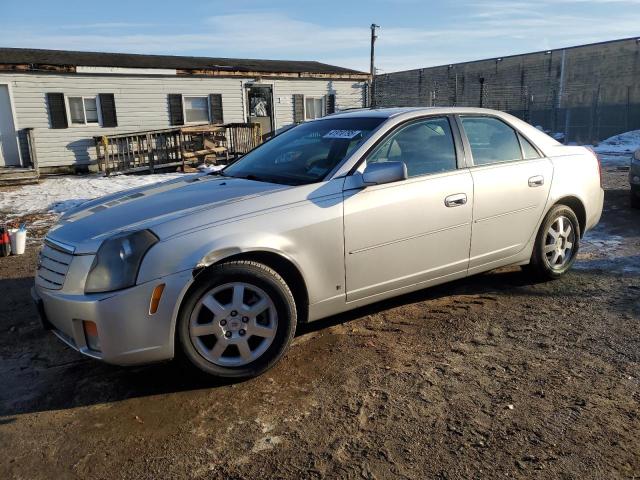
point(511, 182)
point(415, 231)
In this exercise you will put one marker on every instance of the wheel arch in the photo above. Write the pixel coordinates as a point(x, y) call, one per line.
point(281, 264)
point(575, 204)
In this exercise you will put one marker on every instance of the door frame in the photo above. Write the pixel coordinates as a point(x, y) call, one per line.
point(14, 117)
point(246, 85)
point(462, 161)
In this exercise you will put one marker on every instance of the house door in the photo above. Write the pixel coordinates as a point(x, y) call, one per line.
point(8, 139)
point(260, 106)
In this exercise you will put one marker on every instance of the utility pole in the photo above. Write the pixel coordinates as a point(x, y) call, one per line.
point(372, 71)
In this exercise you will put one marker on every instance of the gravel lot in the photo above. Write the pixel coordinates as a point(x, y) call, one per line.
point(492, 376)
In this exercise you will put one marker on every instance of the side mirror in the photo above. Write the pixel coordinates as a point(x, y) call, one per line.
point(384, 172)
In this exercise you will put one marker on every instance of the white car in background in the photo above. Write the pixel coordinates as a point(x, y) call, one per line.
point(328, 216)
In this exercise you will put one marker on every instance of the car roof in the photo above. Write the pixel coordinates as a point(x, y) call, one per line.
point(397, 111)
point(400, 114)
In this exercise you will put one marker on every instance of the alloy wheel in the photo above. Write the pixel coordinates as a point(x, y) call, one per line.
point(559, 245)
point(233, 324)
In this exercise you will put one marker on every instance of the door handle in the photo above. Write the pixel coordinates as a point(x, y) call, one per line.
point(536, 181)
point(456, 200)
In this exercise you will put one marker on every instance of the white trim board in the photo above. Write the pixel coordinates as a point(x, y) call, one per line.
point(16, 127)
point(126, 71)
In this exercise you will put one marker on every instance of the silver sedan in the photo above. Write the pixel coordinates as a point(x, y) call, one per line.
point(331, 215)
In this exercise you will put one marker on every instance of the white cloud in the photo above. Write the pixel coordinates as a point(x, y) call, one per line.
point(100, 25)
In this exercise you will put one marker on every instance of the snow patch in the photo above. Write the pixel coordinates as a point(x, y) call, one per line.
point(625, 143)
point(602, 251)
point(59, 194)
point(617, 151)
point(206, 168)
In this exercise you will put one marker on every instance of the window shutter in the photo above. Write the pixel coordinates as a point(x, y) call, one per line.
point(215, 108)
point(108, 109)
point(57, 110)
point(331, 103)
point(176, 116)
point(298, 108)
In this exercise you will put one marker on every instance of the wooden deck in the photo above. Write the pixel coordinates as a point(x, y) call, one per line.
point(175, 147)
point(17, 176)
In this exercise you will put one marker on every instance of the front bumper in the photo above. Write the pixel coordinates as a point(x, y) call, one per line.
point(128, 333)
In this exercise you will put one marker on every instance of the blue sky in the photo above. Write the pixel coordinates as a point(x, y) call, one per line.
point(415, 33)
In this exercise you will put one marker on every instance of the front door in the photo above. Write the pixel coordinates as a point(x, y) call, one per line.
point(412, 232)
point(511, 186)
point(9, 155)
point(260, 106)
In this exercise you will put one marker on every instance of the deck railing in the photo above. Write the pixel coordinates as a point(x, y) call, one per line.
point(171, 147)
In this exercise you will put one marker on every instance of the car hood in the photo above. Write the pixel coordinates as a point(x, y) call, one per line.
point(86, 226)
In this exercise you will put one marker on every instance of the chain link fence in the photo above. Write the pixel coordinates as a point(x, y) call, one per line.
point(579, 112)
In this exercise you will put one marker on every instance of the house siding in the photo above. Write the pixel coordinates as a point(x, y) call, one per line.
point(349, 94)
point(141, 104)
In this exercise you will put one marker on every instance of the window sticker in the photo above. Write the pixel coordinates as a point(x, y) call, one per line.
point(344, 134)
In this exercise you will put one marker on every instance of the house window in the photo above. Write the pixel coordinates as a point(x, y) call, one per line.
point(90, 110)
point(83, 110)
point(313, 107)
point(196, 109)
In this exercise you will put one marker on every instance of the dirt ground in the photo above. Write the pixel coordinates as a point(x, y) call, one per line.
point(492, 376)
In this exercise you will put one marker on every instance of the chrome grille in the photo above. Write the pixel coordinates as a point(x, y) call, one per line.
point(53, 265)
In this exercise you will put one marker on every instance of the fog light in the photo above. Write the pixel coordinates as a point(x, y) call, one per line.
point(91, 335)
point(155, 298)
point(635, 179)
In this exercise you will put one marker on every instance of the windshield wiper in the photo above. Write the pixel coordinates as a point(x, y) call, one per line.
point(219, 173)
point(257, 178)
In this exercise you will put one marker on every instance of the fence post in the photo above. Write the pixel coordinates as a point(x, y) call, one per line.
point(150, 151)
point(626, 114)
point(181, 148)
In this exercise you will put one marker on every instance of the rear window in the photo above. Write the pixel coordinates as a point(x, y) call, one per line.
point(529, 151)
point(492, 141)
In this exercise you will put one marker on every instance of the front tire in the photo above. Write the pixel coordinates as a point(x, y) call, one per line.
point(556, 244)
point(237, 321)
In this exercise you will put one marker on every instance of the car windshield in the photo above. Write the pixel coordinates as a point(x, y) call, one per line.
point(305, 154)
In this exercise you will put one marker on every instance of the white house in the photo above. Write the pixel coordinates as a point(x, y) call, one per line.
point(66, 98)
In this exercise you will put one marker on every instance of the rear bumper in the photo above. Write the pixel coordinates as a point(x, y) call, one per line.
point(596, 212)
point(128, 333)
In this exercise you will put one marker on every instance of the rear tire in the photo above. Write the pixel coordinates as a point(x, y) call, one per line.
point(237, 321)
point(635, 198)
point(557, 244)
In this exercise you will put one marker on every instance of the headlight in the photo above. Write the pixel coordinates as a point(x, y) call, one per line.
point(118, 260)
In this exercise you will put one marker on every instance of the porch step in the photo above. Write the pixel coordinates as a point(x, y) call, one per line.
point(17, 176)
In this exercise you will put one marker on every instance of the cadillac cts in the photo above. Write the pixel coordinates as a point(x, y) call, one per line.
point(331, 215)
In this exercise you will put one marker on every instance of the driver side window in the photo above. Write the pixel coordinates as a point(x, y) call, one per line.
point(425, 146)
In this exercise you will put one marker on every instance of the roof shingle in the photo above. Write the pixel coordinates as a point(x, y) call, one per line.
point(62, 58)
